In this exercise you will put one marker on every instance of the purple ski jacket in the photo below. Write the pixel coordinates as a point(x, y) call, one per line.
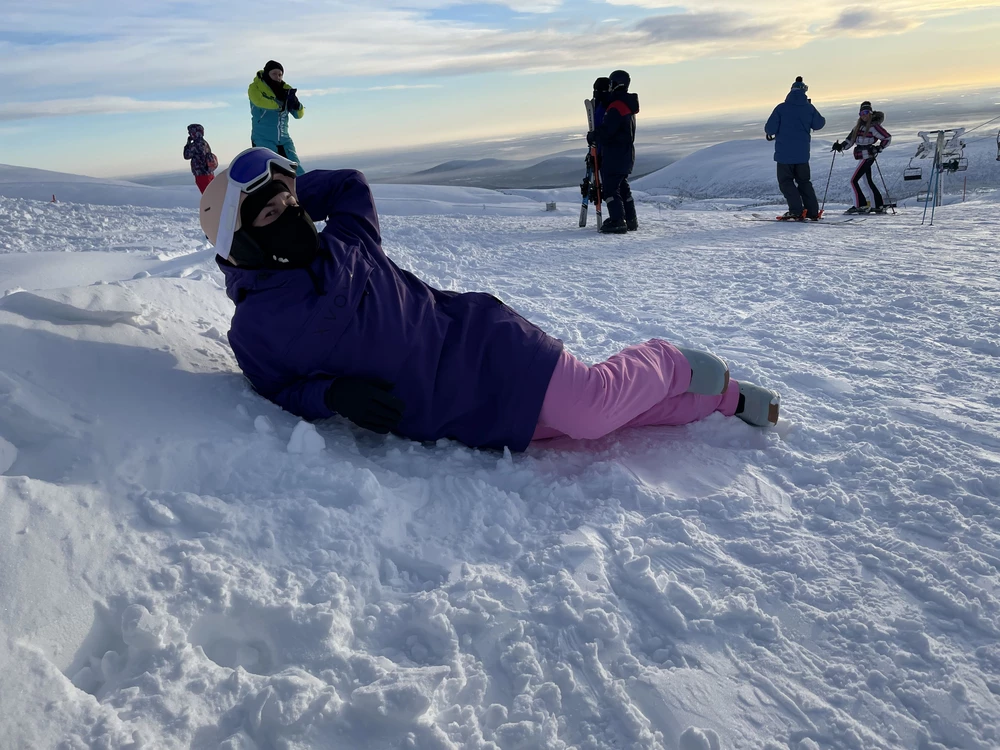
point(467, 366)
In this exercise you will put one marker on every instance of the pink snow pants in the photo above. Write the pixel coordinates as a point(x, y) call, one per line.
point(642, 385)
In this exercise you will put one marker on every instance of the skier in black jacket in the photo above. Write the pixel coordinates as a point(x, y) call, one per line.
point(616, 138)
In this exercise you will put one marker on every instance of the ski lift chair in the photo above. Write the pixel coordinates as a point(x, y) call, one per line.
point(954, 164)
point(916, 173)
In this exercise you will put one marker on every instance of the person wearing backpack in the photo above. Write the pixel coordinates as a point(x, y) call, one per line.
point(199, 153)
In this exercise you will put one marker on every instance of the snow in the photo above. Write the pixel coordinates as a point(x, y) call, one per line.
point(746, 170)
point(184, 565)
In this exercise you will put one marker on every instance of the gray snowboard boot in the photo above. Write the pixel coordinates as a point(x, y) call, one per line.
point(760, 405)
point(709, 374)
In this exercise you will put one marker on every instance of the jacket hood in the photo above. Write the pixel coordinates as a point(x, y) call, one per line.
point(797, 97)
point(629, 100)
point(260, 80)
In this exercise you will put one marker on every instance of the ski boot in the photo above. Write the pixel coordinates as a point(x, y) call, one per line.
point(631, 220)
point(709, 373)
point(792, 216)
point(613, 226)
point(758, 406)
point(880, 210)
point(815, 217)
point(858, 210)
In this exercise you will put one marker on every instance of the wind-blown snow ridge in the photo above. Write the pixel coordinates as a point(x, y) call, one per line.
point(184, 565)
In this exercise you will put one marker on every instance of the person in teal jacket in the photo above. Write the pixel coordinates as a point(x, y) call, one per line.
point(271, 101)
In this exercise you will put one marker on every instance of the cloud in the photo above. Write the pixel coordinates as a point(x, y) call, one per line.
point(706, 27)
point(96, 105)
point(860, 21)
point(220, 45)
point(346, 90)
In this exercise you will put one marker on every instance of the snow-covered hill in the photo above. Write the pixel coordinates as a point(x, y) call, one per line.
point(184, 565)
point(746, 169)
point(41, 185)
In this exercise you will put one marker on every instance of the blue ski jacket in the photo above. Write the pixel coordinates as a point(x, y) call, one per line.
point(792, 122)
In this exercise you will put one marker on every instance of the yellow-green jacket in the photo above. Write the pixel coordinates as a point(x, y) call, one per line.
point(269, 114)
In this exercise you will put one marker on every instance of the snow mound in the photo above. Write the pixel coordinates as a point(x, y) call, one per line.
point(183, 564)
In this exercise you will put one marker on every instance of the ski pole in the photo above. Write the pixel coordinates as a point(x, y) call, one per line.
point(887, 196)
point(828, 183)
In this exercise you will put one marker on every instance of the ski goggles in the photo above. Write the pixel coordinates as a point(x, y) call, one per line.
point(248, 172)
point(864, 112)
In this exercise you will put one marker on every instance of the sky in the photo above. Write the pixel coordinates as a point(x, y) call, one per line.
point(111, 94)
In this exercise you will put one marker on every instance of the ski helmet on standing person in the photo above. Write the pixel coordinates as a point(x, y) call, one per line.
point(619, 80)
point(602, 86)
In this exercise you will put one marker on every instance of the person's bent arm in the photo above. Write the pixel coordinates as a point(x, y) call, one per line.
point(883, 135)
point(609, 125)
point(818, 121)
point(305, 398)
point(772, 124)
point(342, 198)
point(260, 99)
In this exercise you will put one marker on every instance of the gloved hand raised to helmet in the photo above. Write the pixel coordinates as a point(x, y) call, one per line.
point(368, 402)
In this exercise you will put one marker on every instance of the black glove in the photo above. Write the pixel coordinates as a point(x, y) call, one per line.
point(591, 138)
point(838, 147)
point(769, 136)
point(876, 150)
point(367, 402)
point(292, 102)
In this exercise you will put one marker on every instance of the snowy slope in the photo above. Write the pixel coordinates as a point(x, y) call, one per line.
point(184, 565)
point(746, 169)
point(41, 185)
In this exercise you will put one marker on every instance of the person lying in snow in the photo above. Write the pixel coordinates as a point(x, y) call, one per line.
point(326, 324)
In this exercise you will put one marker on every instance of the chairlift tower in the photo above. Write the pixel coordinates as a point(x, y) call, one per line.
point(947, 150)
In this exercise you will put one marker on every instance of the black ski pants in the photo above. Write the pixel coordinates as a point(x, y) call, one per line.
point(616, 193)
point(865, 170)
point(794, 183)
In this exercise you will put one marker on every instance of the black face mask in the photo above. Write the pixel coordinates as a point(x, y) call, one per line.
point(291, 241)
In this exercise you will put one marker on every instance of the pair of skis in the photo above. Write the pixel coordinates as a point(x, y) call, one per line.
point(822, 220)
point(591, 185)
point(872, 212)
